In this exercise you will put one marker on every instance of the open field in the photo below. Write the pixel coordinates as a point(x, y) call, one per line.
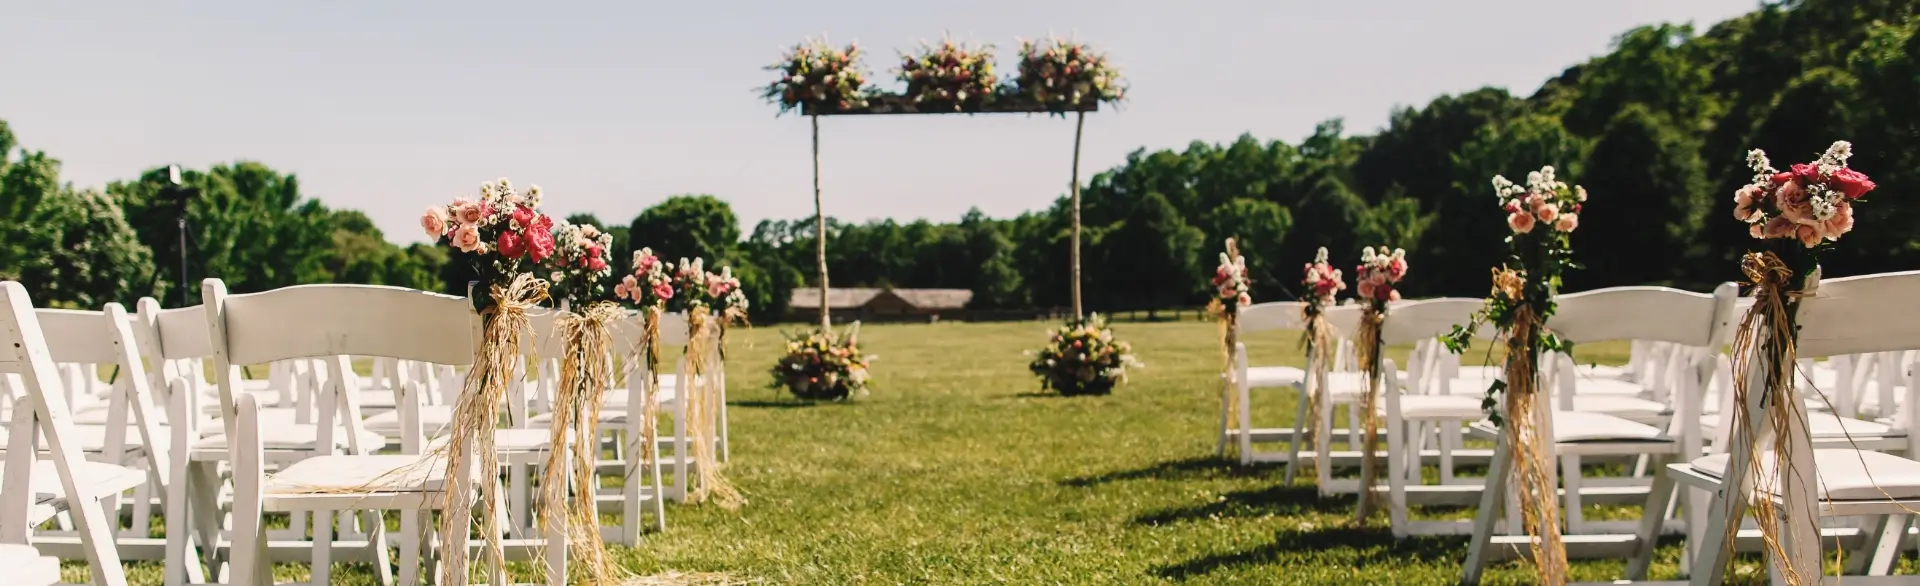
point(956, 471)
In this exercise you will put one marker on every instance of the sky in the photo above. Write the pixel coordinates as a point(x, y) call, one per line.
point(611, 106)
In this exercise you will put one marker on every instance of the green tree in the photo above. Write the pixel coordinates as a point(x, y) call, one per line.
point(1649, 204)
point(1150, 259)
point(87, 254)
point(1261, 227)
point(686, 226)
point(249, 226)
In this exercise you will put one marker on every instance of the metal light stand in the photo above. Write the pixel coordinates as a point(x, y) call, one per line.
point(180, 193)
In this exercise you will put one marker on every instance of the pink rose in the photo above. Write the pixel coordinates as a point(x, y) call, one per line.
point(1779, 227)
point(1809, 236)
point(663, 291)
point(1546, 212)
point(1841, 222)
point(596, 264)
point(466, 238)
point(1795, 204)
point(522, 217)
point(1393, 295)
point(1520, 222)
point(1852, 183)
point(434, 222)
point(542, 221)
point(1805, 172)
point(1743, 201)
point(630, 282)
point(1567, 223)
point(716, 288)
point(468, 212)
point(1366, 289)
point(620, 290)
point(1754, 231)
point(1781, 178)
point(512, 244)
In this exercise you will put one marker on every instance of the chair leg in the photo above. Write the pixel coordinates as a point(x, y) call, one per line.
point(1653, 517)
point(1220, 445)
point(1885, 546)
point(323, 547)
point(377, 540)
point(1576, 518)
point(410, 541)
point(1498, 472)
point(1710, 565)
point(1301, 424)
point(1397, 478)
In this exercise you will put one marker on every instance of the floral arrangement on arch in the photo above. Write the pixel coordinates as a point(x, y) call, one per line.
point(1066, 75)
point(952, 76)
point(1378, 273)
point(1083, 358)
point(503, 229)
point(579, 264)
point(818, 366)
point(817, 76)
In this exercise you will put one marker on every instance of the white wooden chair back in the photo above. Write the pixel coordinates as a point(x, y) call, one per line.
point(25, 355)
point(1683, 319)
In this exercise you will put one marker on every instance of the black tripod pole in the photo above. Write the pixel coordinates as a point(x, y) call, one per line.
point(183, 254)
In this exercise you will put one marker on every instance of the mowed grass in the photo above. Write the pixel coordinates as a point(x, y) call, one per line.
point(956, 469)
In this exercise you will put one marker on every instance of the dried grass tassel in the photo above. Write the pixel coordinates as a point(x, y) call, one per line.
point(1768, 329)
point(586, 369)
point(1229, 338)
point(1369, 342)
point(475, 417)
point(1537, 492)
point(650, 410)
point(703, 398)
point(1318, 341)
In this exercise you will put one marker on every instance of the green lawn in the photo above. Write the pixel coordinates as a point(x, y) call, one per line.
point(956, 470)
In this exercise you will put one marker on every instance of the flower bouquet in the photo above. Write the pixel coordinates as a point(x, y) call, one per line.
point(1066, 76)
point(820, 367)
point(579, 264)
point(1795, 215)
point(951, 77)
point(503, 233)
point(650, 285)
point(1083, 358)
point(1378, 273)
point(1376, 276)
point(818, 78)
point(1322, 284)
point(1541, 216)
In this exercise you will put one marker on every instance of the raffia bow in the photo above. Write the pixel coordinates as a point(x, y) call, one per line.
point(586, 369)
point(702, 397)
point(475, 416)
point(1369, 347)
point(1537, 493)
point(1767, 329)
point(1317, 341)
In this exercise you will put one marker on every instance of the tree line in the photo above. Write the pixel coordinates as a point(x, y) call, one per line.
point(1657, 131)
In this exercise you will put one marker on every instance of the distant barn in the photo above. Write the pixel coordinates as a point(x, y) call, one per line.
point(848, 304)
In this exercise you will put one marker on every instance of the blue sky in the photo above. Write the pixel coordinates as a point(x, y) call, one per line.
point(612, 106)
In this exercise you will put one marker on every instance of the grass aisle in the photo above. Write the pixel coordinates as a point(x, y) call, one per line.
point(956, 470)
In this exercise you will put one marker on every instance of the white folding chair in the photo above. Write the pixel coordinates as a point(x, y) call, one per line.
point(1845, 316)
point(28, 494)
point(1621, 313)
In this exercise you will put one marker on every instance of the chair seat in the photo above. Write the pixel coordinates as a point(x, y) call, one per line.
point(1829, 426)
point(93, 439)
point(105, 479)
point(360, 474)
point(516, 441)
point(1845, 475)
point(434, 419)
point(295, 437)
point(1438, 407)
point(1349, 384)
point(25, 566)
point(1602, 371)
point(1607, 386)
point(1575, 427)
point(1619, 405)
point(1274, 376)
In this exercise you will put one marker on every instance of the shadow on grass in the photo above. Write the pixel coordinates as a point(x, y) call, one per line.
point(1273, 501)
point(1375, 545)
point(1182, 469)
point(774, 404)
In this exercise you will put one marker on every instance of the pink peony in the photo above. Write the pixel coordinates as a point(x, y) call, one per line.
point(1546, 212)
point(1743, 202)
point(1852, 183)
point(522, 217)
point(663, 291)
point(620, 290)
point(466, 238)
point(1779, 227)
point(540, 241)
point(434, 222)
point(1567, 223)
point(1841, 222)
point(1520, 222)
point(512, 244)
point(716, 288)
